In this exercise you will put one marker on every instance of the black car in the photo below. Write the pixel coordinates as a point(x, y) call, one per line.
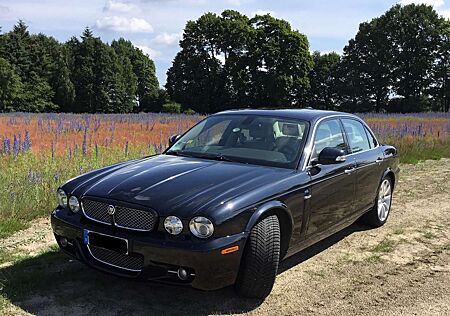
point(229, 199)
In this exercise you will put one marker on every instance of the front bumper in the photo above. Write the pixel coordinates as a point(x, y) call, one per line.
point(208, 268)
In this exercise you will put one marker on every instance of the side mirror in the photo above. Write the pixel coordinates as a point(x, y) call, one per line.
point(331, 155)
point(173, 139)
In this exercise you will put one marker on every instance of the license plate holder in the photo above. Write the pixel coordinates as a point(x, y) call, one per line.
point(113, 243)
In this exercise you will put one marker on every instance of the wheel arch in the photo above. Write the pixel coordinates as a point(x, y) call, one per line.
point(390, 173)
point(284, 217)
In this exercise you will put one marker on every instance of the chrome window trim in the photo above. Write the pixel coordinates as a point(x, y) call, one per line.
point(308, 148)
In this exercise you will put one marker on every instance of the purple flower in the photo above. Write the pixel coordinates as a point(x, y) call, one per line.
point(6, 146)
point(16, 146)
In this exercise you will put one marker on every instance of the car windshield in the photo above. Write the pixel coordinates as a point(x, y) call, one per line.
point(254, 139)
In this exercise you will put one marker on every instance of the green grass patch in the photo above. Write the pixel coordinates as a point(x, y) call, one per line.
point(415, 150)
point(399, 231)
point(429, 235)
point(385, 246)
point(9, 226)
point(373, 258)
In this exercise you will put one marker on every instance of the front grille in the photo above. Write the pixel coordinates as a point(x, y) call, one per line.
point(97, 211)
point(123, 217)
point(116, 259)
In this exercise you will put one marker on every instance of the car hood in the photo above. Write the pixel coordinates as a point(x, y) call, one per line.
point(179, 185)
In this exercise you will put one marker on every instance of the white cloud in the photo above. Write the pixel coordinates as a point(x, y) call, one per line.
point(123, 24)
point(434, 3)
point(262, 12)
point(117, 6)
point(168, 39)
point(445, 13)
point(233, 2)
point(149, 51)
point(4, 9)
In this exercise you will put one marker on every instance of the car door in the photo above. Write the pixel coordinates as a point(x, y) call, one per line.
point(366, 153)
point(332, 186)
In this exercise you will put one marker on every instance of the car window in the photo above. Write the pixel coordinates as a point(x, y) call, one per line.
point(372, 140)
point(356, 135)
point(210, 136)
point(258, 139)
point(328, 134)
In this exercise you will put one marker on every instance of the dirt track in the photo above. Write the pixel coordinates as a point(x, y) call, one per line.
point(400, 269)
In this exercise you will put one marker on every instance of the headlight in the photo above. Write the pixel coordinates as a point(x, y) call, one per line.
point(173, 225)
point(74, 205)
point(62, 198)
point(201, 227)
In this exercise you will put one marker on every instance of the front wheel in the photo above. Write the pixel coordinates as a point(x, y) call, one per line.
point(259, 264)
point(379, 214)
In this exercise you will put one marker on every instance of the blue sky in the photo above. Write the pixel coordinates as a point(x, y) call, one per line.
point(156, 25)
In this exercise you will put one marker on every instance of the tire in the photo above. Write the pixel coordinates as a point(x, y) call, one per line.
point(379, 214)
point(260, 260)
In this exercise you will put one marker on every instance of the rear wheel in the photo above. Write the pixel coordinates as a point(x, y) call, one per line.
point(380, 212)
point(259, 264)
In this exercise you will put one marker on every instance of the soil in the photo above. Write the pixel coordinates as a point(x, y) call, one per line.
point(402, 268)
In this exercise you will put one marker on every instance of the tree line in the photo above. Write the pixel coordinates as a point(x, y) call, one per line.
point(398, 62)
point(40, 74)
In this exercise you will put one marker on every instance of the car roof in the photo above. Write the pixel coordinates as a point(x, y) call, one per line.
point(303, 114)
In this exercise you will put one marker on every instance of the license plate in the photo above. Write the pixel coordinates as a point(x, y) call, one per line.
point(113, 243)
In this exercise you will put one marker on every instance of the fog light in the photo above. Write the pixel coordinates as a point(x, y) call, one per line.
point(63, 241)
point(182, 274)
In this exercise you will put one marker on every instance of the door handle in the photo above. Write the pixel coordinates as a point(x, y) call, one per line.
point(379, 160)
point(350, 170)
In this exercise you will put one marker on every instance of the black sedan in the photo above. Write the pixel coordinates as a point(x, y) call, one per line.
point(229, 199)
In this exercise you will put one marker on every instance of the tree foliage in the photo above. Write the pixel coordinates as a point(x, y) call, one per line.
point(397, 62)
point(233, 61)
point(38, 73)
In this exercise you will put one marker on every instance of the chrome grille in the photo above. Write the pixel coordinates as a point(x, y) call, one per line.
point(134, 219)
point(116, 259)
point(123, 217)
point(97, 211)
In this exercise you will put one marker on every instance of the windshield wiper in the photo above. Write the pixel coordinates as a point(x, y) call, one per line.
point(179, 153)
point(211, 156)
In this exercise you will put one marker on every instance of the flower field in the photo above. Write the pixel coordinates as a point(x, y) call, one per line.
point(38, 152)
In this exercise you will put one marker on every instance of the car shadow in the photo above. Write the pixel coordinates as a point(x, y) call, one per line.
point(52, 284)
point(320, 246)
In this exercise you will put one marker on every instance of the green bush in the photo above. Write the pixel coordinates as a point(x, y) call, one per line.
point(171, 107)
point(189, 111)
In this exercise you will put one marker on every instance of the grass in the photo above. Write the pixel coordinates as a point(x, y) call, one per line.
point(28, 183)
point(9, 226)
point(384, 246)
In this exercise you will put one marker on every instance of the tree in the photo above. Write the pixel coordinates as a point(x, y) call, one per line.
point(102, 83)
point(323, 80)
point(194, 80)
point(232, 61)
point(24, 52)
point(10, 87)
point(366, 67)
point(396, 61)
point(279, 62)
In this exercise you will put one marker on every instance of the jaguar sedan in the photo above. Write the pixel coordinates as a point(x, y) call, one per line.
point(228, 200)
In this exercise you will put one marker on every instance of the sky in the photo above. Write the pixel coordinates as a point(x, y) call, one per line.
point(156, 26)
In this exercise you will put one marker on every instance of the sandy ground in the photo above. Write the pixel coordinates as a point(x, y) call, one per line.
point(402, 268)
